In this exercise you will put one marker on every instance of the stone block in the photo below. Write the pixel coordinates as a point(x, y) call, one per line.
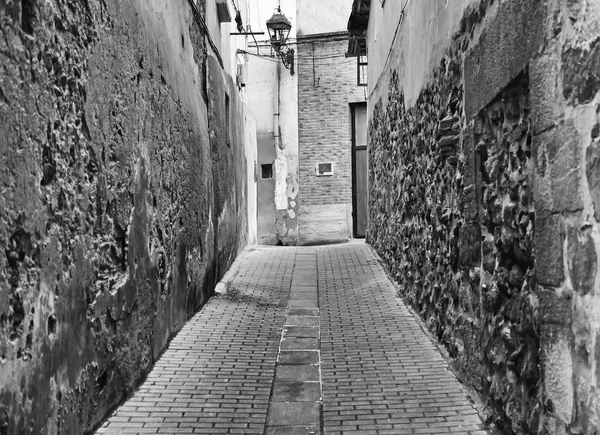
point(301, 331)
point(545, 98)
point(582, 260)
point(469, 203)
point(553, 308)
point(302, 321)
point(293, 413)
point(296, 391)
point(294, 343)
point(298, 357)
point(592, 172)
point(505, 47)
point(548, 241)
point(297, 373)
point(557, 158)
point(488, 252)
point(324, 223)
point(293, 430)
point(557, 364)
point(580, 66)
point(470, 246)
point(468, 167)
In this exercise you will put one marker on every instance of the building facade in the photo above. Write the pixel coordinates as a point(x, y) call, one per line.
point(330, 104)
point(484, 193)
point(305, 129)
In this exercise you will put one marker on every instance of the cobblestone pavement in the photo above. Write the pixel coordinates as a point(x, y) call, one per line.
point(304, 341)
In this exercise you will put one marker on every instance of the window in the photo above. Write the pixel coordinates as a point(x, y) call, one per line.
point(361, 70)
point(324, 168)
point(223, 11)
point(266, 171)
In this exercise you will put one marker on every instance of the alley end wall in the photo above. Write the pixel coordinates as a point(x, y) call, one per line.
point(326, 89)
point(484, 181)
point(122, 199)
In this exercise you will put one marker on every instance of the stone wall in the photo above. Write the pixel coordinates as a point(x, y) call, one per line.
point(484, 205)
point(326, 88)
point(122, 199)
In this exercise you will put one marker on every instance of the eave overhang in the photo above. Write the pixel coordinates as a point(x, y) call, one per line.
point(357, 28)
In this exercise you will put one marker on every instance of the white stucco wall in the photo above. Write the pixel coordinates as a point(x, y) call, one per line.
point(272, 94)
point(262, 75)
point(251, 159)
point(417, 38)
point(325, 16)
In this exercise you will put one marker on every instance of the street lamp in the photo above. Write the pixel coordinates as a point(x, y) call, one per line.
point(279, 29)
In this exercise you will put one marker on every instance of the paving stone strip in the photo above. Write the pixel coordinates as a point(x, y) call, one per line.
point(295, 406)
point(217, 374)
point(303, 341)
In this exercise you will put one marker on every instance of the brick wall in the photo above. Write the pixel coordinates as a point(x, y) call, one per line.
point(326, 88)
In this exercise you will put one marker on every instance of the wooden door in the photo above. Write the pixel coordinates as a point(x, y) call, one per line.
point(359, 169)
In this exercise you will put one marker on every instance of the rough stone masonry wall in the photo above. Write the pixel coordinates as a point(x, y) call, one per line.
point(565, 86)
point(484, 201)
point(326, 88)
point(114, 220)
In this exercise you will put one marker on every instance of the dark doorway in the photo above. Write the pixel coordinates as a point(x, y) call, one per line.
point(359, 169)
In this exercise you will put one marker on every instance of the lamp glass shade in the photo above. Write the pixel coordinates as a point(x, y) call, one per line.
point(279, 29)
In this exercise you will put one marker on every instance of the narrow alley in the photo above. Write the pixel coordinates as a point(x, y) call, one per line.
point(291, 217)
point(303, 341)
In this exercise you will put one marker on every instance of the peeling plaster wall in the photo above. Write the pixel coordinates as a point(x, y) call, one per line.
point(484, 196)
point(272, 96)
point(122, 199)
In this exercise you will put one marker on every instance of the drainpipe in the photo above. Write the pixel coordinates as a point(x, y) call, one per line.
point(276, 104)
point(280, 159)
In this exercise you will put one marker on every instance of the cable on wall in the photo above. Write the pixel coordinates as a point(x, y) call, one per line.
point(204, 27)
point(316, 82)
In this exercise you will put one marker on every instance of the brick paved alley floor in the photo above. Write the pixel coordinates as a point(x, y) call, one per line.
point(304, 341)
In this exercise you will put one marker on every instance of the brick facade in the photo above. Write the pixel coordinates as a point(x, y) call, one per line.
point(324, 119)
point(326, 88)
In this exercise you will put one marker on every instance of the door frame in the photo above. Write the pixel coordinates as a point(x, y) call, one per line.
point(355, 148)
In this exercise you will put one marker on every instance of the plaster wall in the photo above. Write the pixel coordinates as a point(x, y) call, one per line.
point(272, 95)
point(217, 30)
point(251, 151)
point(123, 199)
point(403, 33)
point(323, 17)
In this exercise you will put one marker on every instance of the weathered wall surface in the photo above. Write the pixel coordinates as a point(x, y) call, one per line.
point(312, 20)
point(425, 33)
point(566, 192)
point(122, 199)
point(484, 201)
point(272, 95)
point(251, 149)
point(326, 88)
